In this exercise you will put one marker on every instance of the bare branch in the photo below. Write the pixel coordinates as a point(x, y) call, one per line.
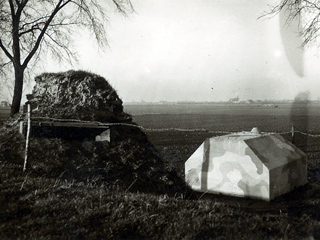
point(5, 64)
point(31, 29)
point(63, 47)
point(36, 46)
point(6, 51)
point(308, 12)
point(12, 9)
point(121, 6)
point(97, 28)
point(32, 22)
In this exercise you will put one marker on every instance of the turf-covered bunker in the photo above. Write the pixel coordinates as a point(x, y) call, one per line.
point(78, 131)
point(247, 164)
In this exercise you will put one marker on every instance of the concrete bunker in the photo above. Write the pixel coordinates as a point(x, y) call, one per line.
point(74, 105)
point(247, 164)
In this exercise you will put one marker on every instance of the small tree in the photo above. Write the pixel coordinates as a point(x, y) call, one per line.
point(306, 11)
point(31, 28)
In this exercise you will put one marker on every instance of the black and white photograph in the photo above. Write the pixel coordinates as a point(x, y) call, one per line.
point(159, 119)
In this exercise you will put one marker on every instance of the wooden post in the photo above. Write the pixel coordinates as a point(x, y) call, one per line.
point(28, 137)
point(292, 134)
point(21, 127)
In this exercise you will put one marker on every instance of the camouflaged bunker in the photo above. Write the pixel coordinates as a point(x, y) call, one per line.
point(247, 164)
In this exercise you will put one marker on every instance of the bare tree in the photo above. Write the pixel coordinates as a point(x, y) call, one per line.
point(31, 28)
point(307, 12)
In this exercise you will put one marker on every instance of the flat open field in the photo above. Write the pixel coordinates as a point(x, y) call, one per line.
point(168, 126)
point(228, 117)
point(225, 108)
point(178, 130)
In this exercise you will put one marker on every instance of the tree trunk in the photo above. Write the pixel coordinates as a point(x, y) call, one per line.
point(18, 86)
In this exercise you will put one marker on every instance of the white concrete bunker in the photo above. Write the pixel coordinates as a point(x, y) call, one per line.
point(247, 164)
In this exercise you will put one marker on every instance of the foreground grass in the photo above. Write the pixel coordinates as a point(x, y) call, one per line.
point(37, 207)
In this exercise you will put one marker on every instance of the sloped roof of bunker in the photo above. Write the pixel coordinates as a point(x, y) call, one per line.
point(267, 147)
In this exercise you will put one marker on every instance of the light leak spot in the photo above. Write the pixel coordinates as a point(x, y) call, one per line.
point(277, 53)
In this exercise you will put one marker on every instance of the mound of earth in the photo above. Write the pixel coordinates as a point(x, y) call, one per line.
point(76, 95)
point(129, 161)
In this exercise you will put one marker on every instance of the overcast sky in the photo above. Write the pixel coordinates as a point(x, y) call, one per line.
point(200, 50)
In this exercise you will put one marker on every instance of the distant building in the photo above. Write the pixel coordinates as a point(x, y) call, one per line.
point(235, 100)
point(4, 104)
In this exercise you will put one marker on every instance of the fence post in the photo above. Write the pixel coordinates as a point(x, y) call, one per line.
point(28, 137)
point(292, 134)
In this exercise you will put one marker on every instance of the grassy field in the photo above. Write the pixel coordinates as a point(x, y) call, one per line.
point(228, 117)
point(4, 114)
point(37, 206)
point(168, 129)
point(311, 109)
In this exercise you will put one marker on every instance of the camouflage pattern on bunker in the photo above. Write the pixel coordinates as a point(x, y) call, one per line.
point(247, 164)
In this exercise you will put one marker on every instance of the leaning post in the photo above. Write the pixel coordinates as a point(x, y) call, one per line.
point(26, 154)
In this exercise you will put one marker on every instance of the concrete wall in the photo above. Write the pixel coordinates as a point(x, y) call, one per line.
point(246, 165)
point(219, 166)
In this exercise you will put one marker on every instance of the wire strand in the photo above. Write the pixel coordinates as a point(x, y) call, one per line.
point(163, 129)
